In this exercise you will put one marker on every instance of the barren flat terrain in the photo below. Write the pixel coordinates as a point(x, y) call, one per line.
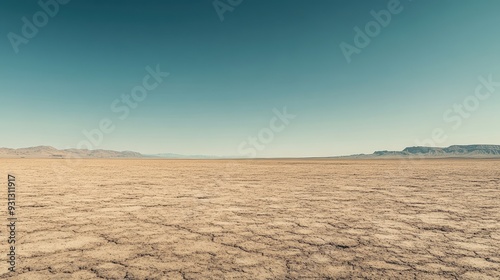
point(254, 219)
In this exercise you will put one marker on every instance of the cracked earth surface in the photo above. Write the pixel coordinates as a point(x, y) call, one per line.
point(255, 219)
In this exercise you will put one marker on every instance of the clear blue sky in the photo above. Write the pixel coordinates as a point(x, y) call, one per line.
point(226, 77)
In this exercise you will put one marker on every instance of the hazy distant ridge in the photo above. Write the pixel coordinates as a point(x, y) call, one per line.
point(178, 156)
point(51, 152)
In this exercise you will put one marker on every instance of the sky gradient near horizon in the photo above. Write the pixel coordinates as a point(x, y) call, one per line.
point(227, 77)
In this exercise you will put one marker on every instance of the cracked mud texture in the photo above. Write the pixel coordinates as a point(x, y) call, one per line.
point(255, 219)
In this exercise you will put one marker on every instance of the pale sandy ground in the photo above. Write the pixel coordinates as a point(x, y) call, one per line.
point(264, 219)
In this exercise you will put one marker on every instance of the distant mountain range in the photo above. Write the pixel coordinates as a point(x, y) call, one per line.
point(456, 151)
point(51, 152)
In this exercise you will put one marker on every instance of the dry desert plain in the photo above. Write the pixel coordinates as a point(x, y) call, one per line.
point(254, 219)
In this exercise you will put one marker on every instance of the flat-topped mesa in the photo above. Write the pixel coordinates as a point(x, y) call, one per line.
point(423, 150)
point(456, 150)
point(487, 149)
